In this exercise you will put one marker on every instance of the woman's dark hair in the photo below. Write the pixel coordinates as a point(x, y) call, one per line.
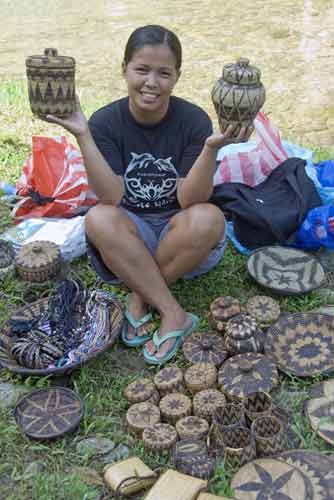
point(153, 34)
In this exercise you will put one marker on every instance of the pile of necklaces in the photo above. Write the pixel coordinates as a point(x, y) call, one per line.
point(73, 326)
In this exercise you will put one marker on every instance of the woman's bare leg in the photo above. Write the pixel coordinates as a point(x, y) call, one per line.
point(125, 254)
point(193, 233)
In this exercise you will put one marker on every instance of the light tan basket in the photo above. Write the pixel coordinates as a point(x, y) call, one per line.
point(176, 486)
point(38, 261)
point(132, 472)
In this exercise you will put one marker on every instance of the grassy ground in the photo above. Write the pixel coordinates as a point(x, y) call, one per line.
point(101, 384)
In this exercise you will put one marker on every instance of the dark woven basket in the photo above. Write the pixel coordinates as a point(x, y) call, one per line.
point(30, 311)
point(49, 413)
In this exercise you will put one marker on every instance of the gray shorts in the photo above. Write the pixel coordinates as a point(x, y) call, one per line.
point(152, 228)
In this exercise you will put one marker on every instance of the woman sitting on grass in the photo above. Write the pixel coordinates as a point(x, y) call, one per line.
point(150, 158)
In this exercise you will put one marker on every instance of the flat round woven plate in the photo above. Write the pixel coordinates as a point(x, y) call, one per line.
point(320, 410)
point(302, 343)
point(49, 413)
point(269, 479)
point(316, 467)
point(285, 270)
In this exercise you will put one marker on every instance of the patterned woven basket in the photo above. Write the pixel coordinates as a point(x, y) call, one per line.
point(34, 309)
point(51, 83)
point(38, 261)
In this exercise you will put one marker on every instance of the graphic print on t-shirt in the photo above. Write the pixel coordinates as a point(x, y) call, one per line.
point(150, 182)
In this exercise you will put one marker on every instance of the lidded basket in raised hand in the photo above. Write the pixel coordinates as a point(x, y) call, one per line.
point(238, 95)
point(51, 83)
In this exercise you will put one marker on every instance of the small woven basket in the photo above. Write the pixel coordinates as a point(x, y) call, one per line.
point(51, 83)
point(201, 376)
point(38, 261)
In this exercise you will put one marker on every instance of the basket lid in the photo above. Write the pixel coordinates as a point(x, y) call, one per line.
point(49, 413)
point(241, 327)
point(159, 436)
point(269, 478)
point(205, 347)
point(302, 343)
point(50, 59)
point(241, 72)
point(168, 377)
point(263, 308)
point(37, 255)
point(317, 470)
point(246, 373)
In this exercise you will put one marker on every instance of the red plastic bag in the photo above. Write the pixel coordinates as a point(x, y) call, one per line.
point(253, 166)
point(53, 181)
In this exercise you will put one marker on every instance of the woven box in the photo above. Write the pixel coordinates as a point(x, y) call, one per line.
point(176, 486)
point(131, 468)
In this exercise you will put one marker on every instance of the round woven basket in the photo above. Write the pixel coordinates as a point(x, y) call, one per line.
point(49, 413)
point(38, 261)
point(7, 339)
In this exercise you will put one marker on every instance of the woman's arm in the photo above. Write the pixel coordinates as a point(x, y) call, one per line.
point(197, 186)
point(108, 187)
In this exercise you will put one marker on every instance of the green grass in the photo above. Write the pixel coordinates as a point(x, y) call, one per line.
point(101, 384)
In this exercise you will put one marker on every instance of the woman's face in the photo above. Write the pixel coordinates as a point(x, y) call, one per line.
point(150, 75)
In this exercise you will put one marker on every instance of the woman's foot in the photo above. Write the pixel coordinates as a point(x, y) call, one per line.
point(138, 311)
point(181, 322)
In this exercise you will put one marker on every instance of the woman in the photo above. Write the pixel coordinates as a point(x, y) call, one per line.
point(150, 158)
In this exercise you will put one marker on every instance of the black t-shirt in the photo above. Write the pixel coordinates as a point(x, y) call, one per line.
point(150, 158)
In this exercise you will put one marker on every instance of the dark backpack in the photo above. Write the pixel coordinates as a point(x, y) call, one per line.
point(272, 211)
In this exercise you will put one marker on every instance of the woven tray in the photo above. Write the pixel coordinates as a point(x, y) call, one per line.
point(205, 347)
point(34, 309)
point(200, 376)
point(302, 344)
point(49, 413)
point(320, 411)
point(316, 469)
point(269, 478)
point(285, 270)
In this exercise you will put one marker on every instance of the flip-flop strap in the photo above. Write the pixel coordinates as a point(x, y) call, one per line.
point(137, 323)
point(158, 341)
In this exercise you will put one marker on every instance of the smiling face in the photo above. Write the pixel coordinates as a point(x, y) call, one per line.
point(151, 75)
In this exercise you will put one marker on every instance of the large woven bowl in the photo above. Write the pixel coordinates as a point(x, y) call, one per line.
point(31, 310)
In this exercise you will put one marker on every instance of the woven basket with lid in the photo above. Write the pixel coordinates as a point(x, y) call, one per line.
point(206, 403)
point(38, 261)
point(168, 380)
point(201, 376)
point(238, 95)
point(51, 83)
point(142, 390)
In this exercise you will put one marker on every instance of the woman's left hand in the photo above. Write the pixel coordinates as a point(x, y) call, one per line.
point(218, 140)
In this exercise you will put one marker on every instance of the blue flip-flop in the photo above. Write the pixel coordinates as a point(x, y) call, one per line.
point(137, 339)
point(178, 335)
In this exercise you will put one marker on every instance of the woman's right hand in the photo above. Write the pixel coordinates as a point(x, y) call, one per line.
point(76, 123)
